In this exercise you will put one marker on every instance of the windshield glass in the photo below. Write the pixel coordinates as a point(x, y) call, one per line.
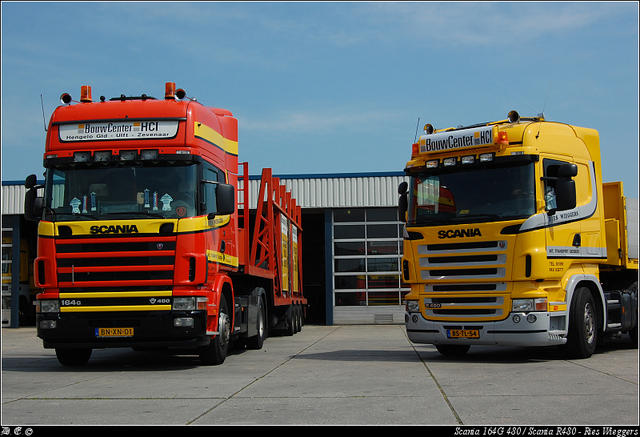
point(139, 191)
point(491, 192)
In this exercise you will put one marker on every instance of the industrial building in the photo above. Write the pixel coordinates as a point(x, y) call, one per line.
point(351, 243)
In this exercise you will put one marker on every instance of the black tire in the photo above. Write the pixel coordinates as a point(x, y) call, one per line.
point(298, 313)
point(216, 352)
point(290, 329)
point(583, 325)
point(73, 357)
point(257, 341)
point(453, 349)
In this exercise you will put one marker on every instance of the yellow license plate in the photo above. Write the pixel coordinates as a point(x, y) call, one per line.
point(114, 332)
point(463, 333)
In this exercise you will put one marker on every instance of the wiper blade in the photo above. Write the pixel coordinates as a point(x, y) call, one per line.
point(476, 217)
point(84, 215)
point(431, 220)
point(148, 214)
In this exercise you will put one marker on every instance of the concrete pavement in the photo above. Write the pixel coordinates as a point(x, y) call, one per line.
point(363, 375)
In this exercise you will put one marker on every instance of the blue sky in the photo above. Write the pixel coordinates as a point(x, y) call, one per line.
point(330, 87)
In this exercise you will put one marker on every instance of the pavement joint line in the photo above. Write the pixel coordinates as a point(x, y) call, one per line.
point(602, 372)
point(224, 400)
point(444, 395)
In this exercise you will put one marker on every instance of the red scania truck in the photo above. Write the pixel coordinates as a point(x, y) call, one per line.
point(146, 235)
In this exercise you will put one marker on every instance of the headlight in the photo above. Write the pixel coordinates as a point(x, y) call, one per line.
point(412, 306)
point(189, 303)
point(49, 306)
point(524, 305)
point(184, 303)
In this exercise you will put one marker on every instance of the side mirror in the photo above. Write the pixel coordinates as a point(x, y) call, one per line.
point(30, 181)
point(566, 187)
point(403, 202)
point(33, 205)
point(565, 194)
point(225, 200)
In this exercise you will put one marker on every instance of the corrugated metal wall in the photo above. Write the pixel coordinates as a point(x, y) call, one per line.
point(339, 192)
point(331, 191)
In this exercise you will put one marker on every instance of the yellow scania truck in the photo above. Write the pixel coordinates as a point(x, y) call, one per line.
point(511, 238)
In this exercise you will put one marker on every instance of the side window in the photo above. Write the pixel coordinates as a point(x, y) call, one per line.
point(211, 175)
point(551, 167)
point(552, 178)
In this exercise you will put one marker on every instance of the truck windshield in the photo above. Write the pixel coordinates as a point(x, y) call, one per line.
point(485, 193)
point(132, 191)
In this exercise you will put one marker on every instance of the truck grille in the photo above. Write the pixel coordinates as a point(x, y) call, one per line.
point(128, 261)
point(477, 260)
point(115, 274)
point(444, 265)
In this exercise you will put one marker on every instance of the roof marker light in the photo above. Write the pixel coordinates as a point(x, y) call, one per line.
point(170, 90)
point(85, 94)
point(467, 159)
point(449, 162)
point(502, 138)
point(486, 157)
point(415, 150)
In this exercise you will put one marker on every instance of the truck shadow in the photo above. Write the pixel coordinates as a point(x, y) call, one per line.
point(476, 354)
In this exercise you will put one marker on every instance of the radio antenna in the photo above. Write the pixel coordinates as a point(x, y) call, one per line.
point(545, 99)
point(541, 115)
point(416, 135)
point(44, 121)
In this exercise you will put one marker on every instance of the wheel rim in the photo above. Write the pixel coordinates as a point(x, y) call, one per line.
point(589, 324)
point(225, 328)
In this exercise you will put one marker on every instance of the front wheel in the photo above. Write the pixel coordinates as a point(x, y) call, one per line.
point(583, 326)
point(216, 352)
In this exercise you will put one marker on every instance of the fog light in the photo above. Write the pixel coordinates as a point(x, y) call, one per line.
point(47, 324)
point(516, 318)
point(183, 322)
point(531, 318)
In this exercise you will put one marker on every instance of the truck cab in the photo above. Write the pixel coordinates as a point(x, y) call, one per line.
point(505, 231)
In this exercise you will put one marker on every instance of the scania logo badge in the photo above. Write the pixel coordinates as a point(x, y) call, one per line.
point(159, 246)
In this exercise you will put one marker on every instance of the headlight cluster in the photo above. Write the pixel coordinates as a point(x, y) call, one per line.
point(48, 306)
point(526, 305)
point(412, 306)
point(189, 303)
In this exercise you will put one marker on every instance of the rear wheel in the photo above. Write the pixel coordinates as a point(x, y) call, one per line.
point(290, 328)
point(583, 326)
point(257, 341)
point(73, 357)
point(298, 313)
point(216, 352)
